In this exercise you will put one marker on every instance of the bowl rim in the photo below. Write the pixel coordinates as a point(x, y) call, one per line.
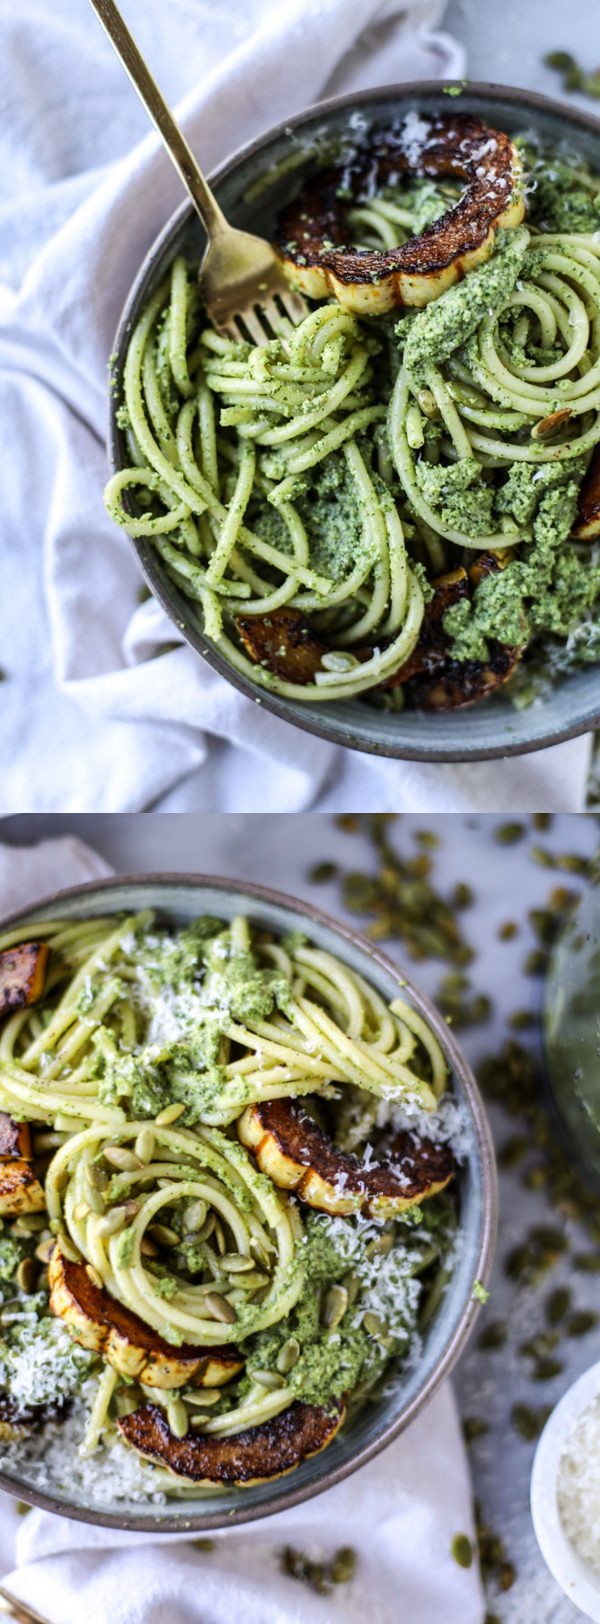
point(202, 1522)
point(168, 595)
point(576, 1580)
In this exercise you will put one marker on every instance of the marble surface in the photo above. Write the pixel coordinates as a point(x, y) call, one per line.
point(279, 851)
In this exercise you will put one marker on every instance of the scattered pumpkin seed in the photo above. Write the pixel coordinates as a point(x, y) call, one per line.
point(81, 1210)
point(288, 1355)
point(270, 1379)
point(474, 1427)
point(170, 1114)
point(194, 1217)
point(219, 1308)
point(97, 1176)
point(45, 1249)
point(343, 1565)
point(145, 1145)
point(177, 1417)
point(529, 1421)
point(124, 1160)
point(234, 1263)
point(163, 1235)
point(558, 1304)
point(508, 930)
point(461, 1550)
point(27, 1275)
point(322, 872)
point(334, 1307)
point(507, 834)
point(147, 1248)
point(93, 1275)
point(582, 1321)
point(95, 1198)
point(68, 1248)
point(112, 1222)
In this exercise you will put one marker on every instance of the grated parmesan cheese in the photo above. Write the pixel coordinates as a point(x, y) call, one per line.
point(578, 1487)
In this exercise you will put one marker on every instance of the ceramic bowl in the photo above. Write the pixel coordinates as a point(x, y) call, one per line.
point(252, 201)
point(181, 898)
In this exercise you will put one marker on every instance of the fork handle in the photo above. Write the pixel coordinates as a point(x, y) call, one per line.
point(141, 78)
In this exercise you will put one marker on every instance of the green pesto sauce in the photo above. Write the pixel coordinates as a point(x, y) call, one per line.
point(561, 197)
point(448, 322)
point(550, 588)
point(195, 983)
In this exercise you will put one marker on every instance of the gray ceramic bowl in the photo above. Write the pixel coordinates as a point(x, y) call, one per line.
point(180, 898)
point(494, 728)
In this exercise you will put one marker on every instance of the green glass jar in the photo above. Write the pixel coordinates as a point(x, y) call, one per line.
point(572, 1029)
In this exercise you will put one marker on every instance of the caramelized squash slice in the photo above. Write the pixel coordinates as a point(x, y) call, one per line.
point(253, 1456)
point(15, 1139)
point(95, 1320)
point(285, 643)
point(313, 231)
point(20, 1191)
point(587, 518)
point(295, 1153)
point(22, 975)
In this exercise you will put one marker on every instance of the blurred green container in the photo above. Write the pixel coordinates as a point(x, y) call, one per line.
point(572, 1029)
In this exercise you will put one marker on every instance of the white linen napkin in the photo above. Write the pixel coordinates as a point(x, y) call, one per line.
point(400, 1512)
point(96, 717)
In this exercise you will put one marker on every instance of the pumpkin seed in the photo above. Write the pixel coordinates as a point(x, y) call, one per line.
point(381, 1245)
point(177, 1417)
point(256, 1281)
point(334, 1307)
point(461, 1550)
point(29, 1225)
point(234, 1263)
point(95, 1198)
point(68, 1248)
point(81, 1210)
point(194, 1217)
point(59, 1180)
point(219, 1308)
point(212, 1263)
point(163, 1234)
point(123, 1159)
point(170, 1114)
point(112, 1223)
point(27, 1275)
point(352, 1285)
point(205, 1399)
point(288, 1355)
point(269, 1379)
point(147, 1248)
point(97, 1176)
point(45, 1249)
point(93, 1275)
point(376, 1326)
point(343, 1565)
point(144, 1145)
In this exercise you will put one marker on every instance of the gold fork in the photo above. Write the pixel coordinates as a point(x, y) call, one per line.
point(241, 280)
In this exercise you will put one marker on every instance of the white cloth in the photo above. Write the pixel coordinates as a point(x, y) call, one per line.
point(400, 1512)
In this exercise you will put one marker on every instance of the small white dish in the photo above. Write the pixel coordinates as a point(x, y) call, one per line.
point(578, 1581)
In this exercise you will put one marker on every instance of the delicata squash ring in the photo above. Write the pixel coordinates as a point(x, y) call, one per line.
point(313, 230)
